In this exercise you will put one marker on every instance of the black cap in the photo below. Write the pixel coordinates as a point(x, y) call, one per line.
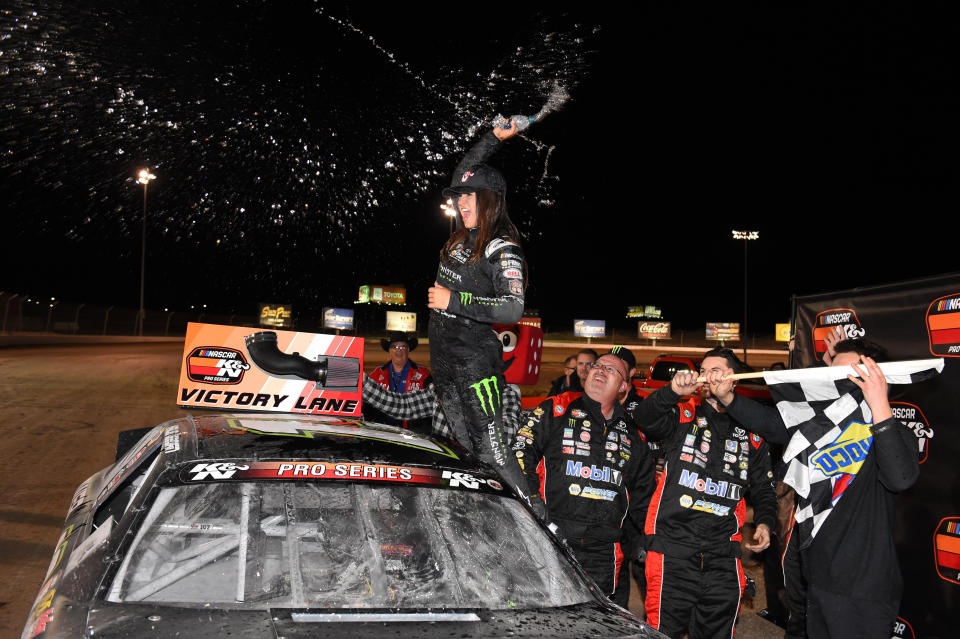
point(409, 340)
point(624, 353)
point(474, 179)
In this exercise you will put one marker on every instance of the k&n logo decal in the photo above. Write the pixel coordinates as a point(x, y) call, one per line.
point(914, 419)
point(828, 321)
point(216, 365)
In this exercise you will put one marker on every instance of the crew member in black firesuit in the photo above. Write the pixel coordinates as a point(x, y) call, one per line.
point(480, 281)
point(633, 530)
point(580, 454)
point(694, 576)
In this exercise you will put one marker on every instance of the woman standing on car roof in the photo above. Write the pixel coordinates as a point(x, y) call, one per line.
point(480, 281)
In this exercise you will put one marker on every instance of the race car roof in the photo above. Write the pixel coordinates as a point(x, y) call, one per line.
point(246, 436)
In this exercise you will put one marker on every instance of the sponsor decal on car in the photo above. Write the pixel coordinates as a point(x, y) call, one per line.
point(171, 438)
point(311, 470)
point(79, 498)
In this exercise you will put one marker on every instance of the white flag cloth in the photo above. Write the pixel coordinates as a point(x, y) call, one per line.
point(829, 425)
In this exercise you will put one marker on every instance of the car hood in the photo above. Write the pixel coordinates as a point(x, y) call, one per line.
point(591, 619)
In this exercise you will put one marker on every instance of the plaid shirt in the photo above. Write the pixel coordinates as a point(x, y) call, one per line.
point(423, 403)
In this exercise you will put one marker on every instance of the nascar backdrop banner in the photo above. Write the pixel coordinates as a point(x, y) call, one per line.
point(247, 369)
point(912, 320)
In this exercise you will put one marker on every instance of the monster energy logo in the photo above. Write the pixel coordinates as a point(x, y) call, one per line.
point(487, 384)
point(616, 350)
point(466, 298)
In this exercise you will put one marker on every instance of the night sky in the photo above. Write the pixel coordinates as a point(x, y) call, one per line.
point(300, 149)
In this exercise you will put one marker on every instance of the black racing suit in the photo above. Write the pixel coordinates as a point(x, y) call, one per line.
point(694, 575)
point(465, 353)
point(592, 473)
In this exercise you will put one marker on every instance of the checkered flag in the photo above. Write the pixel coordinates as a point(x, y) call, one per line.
point(829, 425)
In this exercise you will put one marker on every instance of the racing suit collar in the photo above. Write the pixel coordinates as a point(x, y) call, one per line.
point(593, 407)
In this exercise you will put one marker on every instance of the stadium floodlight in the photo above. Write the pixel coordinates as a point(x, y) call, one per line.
point(450, 211)
point(745, 236)
point(143, 177)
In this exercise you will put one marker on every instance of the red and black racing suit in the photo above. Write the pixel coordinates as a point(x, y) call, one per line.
point(694, 575)
point(591, 473)
point(465, 353)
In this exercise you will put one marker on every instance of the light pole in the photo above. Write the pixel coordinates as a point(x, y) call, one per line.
point(144, 178)
point(450, 211)
point(745, 236)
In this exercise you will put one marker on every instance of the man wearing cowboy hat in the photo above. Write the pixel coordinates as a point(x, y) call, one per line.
point(400, 374)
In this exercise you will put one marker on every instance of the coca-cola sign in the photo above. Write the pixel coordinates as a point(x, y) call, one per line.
point(654, 330)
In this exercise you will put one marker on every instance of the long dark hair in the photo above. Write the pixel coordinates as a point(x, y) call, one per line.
point(492, 221)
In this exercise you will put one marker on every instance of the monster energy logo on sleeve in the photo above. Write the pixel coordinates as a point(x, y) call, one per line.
point(465, 298)
point(489, 387)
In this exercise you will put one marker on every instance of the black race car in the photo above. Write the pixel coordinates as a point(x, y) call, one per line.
point(291, 526)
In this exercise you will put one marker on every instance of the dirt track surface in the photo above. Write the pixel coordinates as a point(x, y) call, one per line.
point(60, 411)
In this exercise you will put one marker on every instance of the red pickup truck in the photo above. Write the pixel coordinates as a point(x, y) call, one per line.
point(664, 367)
point(662, 370)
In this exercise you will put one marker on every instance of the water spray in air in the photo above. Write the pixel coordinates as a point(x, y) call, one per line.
point(557, 98)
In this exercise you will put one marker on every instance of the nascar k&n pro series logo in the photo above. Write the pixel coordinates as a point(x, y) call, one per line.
point(943, 325)
point(216, 365)
point(828, 321)
point(946, 549)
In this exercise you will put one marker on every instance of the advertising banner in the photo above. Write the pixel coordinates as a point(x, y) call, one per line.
point(912, 320)
point(245, 369)
point(782, 331)
point(651, 312)
point(339, 318)
point(382, 294)
point(589, 328)
point(723, 331)
point(402, 321)
point(653, 330)
point(276, 315)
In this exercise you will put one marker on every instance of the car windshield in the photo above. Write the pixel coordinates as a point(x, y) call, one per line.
point(340, 545)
